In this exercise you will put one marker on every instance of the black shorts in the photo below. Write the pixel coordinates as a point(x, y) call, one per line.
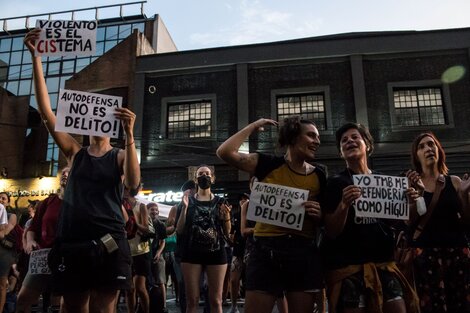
point(282, 264)
point(113, 273)
point(217, 257)
point(141, 264)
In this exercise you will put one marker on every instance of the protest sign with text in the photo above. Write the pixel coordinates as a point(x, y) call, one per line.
point(85, 113)
point(66, 38)
point(277, 205)
point(382, 197)
point(38, 262)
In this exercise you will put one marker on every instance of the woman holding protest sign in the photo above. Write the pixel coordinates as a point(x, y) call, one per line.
point(442, 263)
point(202, 226)
point(362, 276)
point(283, 260)
point(41, 235)
point(90, 260)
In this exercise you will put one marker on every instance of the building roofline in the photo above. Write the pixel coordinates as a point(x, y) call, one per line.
point(336, 45)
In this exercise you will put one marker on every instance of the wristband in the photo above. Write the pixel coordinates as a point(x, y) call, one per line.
point(130, 144)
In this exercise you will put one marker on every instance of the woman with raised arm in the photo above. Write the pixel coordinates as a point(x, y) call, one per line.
point(202, 226)
point(283, 260)
point(358, 251)
point(91, 220)
point(442, 264)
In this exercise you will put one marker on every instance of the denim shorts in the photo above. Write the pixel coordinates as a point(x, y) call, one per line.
point(282, 264)
point(353, 291)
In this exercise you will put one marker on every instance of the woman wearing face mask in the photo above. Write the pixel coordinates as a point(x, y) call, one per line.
point(204, 221)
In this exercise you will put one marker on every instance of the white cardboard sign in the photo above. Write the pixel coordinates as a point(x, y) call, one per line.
point(382, 197)
point(66, 38)
point(277, 205)
point(38, 262)
point(86, 113)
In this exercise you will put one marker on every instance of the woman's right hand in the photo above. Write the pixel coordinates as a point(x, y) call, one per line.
point(350, 193)
point(185, 199)
point(30, 246)
point(415, 181)
point(259, 124)
point(30, 40)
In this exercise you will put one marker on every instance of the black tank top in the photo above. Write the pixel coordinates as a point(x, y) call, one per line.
point(92, 200)
point(443, 228)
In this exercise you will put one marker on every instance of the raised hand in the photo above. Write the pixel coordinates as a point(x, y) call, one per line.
point(415, 181)
point(127, 118)
point(30, 39)
point(259, 124)
point(224, 211)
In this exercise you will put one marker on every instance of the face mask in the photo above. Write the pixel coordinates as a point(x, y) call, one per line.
point(204, 182)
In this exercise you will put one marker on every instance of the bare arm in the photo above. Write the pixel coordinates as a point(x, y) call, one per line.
point(228, 151)
point(67, 144)
point(31, 243)
point(184, 210)
point(128, 156)
point(463, 190)
point(334, 222)
point(161, 246)
point(225, 218)
point(170, 222)
point(245, 231)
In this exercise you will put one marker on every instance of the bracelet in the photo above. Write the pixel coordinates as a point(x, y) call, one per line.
point(130, 144)
point(227, 220)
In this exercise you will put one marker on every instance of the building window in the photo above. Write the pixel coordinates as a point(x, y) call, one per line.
point(419, 106)
point(189, 119)
point(309, 106)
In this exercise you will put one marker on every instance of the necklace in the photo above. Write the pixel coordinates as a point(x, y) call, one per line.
point(293, 175)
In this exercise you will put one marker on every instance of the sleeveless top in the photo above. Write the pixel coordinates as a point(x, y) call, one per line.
point(91, 206)
point(136, 244)
point(443, 228)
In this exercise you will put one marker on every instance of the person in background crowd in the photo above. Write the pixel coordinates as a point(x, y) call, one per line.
point(283, 259)
point(41, 235)
point(363, 276)
point(237, 265)
point(173, 216)
point(31, 209)
point(157, 246)
point(3, 220)
point(8, 241)
point(442, 264)
point(12, 289)
point(204, 221)
point(91, 209)
point(140, 250)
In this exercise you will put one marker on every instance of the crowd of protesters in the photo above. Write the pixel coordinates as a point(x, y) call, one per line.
point(103, 242)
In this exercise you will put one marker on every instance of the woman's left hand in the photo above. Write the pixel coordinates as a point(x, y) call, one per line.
point(312, 208)
point(412, 195)
point(127, 118)
point(224, 211)
point(464, 190)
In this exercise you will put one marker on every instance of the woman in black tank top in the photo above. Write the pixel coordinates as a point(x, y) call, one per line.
point(92, 200)
point(442, 266)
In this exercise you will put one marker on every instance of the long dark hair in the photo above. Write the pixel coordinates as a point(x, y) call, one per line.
point(441, 162)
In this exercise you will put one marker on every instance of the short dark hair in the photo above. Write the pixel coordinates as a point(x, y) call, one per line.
point(361, 129)
point(290, 130)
